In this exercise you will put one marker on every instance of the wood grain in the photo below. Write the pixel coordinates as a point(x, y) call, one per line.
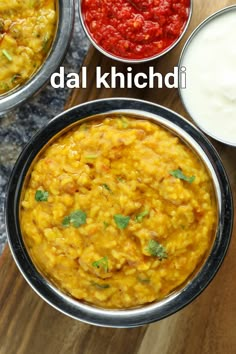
point(207, 326)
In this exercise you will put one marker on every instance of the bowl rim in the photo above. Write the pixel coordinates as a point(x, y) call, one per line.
point(127, 60)
point(180, 64)
point(66, 13)
point(89, 313)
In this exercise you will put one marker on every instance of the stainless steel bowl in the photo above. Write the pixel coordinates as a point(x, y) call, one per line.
point(132, 61)
point(181, 64)
point(178, 299)
point(57, 52)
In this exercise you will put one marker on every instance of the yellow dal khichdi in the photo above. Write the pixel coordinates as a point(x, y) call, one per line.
point(118, 212)
point(27, 29)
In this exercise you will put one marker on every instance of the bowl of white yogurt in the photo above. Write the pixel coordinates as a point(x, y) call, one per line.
point(209, 57)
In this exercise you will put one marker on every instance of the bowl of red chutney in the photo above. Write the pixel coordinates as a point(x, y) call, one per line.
point(135, 31)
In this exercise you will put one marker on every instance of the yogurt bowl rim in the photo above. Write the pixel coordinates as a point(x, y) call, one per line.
point(180, 64)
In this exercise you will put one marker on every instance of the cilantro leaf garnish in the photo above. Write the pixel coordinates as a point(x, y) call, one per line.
point(84, 127)
point(179, 174)
point(66, 221)
point(105, 224)
point(76, 219)
point(157, 250)
point(140, 216)
point(124, 122)
point(41, 196)
point(91, 157)
point(120, 179)
point(45, 42)
point(105, 186)
point(103, 262)
point(121, 221)
point(100, 286)
point(143, 280)
point(15, 77)
point(6, 54)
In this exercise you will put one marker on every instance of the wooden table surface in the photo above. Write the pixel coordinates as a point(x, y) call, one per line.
point(207, 326)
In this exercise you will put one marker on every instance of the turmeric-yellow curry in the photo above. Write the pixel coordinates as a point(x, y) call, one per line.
point(27, 30)
point(118, 212)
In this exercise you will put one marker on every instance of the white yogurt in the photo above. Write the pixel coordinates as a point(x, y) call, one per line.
point(210, 61)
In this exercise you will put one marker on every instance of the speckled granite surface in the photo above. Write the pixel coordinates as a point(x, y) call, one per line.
point(18, 126)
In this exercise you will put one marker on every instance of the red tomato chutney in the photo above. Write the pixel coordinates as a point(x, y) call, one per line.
point(135, 29)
